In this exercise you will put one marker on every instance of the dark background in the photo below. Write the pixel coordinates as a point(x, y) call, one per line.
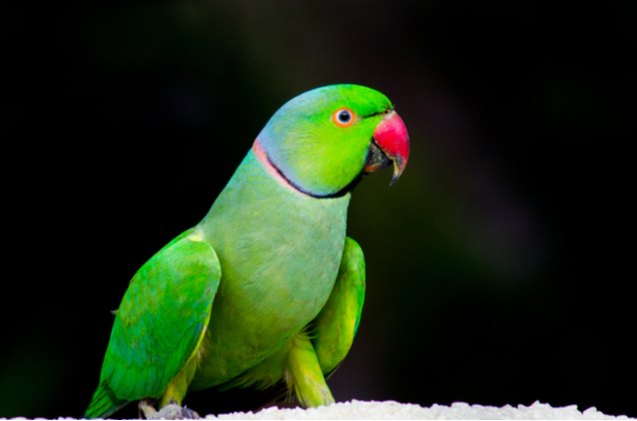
point(500, 267)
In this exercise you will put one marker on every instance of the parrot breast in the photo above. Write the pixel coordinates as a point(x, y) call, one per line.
point(280, 251)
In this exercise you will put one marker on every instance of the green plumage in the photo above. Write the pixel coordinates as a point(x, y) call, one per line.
point(159, 323)
point(266, 287)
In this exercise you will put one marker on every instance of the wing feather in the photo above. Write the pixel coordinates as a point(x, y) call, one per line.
point(159, 322)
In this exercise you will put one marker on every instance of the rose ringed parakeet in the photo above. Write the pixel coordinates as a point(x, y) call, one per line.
point(267, 287)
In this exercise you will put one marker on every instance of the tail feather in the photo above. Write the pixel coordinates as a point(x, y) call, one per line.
point(103, 403)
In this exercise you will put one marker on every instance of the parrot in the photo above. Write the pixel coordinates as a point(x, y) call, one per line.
point(267, 288)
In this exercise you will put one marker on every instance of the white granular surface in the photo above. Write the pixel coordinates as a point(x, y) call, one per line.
point(390, 410)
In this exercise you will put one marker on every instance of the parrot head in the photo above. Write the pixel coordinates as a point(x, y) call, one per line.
point(324, 140)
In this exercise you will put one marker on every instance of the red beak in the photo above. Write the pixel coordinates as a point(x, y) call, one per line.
point(392, 138)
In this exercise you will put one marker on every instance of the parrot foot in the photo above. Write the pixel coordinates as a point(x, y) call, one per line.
point(171, 411)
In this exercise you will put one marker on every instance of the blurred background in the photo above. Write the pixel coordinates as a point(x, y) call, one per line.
point(499, 266)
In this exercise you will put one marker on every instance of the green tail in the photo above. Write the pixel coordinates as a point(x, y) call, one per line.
point(103, 404)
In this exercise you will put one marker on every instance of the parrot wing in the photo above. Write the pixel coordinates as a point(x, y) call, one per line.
point(337, 323)
point(160, 323)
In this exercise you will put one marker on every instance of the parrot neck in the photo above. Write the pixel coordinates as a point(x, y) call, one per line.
point(278, 175)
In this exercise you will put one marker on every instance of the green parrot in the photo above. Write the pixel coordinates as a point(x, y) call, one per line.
point(267, 288)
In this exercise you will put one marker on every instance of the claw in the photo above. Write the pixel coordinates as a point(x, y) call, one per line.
point(169, 412)
point(146, 409)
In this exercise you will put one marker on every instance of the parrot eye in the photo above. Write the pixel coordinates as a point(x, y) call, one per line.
point(343, 117)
